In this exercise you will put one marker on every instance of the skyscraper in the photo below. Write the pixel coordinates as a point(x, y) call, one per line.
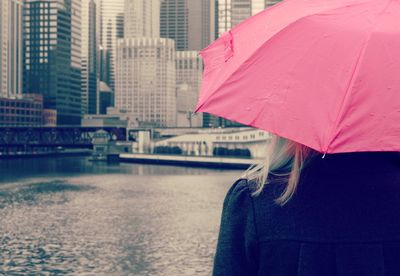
point(201, 23)
point(232, 12)
point(10, 48)
point(189, 68)
point(90, 57)
point(52, 56)
point(142, 18)
point(111, 29)
point(190, 23)
point(174, 22)
point(145, 75)
point(240, 10)
point(224, 16)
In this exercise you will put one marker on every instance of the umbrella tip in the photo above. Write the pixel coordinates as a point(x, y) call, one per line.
point(323, 156)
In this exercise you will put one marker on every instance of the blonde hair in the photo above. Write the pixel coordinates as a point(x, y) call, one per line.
point(285, 158)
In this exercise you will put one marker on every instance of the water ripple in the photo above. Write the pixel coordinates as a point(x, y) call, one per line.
point(33, 193)
point(119, 224)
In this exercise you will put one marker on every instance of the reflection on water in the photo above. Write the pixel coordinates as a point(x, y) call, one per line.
point(68, 216)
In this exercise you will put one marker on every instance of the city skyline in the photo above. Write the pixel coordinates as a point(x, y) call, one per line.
point(71, 52)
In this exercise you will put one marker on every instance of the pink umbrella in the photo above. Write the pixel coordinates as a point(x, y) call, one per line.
point(323, 73)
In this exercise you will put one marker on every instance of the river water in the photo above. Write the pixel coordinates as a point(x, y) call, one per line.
point(69, 216)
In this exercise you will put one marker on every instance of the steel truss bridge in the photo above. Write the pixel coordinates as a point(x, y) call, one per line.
point(26, 138)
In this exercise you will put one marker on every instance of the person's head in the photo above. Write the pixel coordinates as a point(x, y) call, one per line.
point(284, 158)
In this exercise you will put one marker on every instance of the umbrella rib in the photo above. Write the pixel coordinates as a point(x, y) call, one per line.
point(346, 98)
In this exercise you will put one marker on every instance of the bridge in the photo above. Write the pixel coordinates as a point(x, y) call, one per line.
point(28, 138)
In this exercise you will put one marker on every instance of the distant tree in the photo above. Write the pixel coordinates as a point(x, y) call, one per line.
point(176, 150)
point(221, 151)
point(167, 150)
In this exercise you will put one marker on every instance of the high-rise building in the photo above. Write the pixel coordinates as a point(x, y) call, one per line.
point(240, 10)
point(224, 16)
point(174, 22)
point(106, 98)
point(189, 68)
point(142, 18)
point(111, 29)
point(104, 65)
point(89, 56)
point(145, 83)
point(201, 23)
point(232, 12)
point(190, 23)
point(10, 48)
point(145, 76)
point(52, 56)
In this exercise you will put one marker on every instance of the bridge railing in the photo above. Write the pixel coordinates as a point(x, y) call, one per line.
point(55, 136)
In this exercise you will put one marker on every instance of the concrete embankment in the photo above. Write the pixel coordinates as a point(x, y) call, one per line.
point(193, 161)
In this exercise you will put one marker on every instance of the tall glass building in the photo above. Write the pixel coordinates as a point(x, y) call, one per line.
point(174, 22)
point(111, 29)
point(90, 43)
point(201, 24)
point(189, 68)
point(190, 23)
point(10, 48)
point(142, 18)
point(232, 12)
point(52, 56)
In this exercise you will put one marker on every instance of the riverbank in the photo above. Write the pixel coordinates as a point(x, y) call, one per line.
point(191, 161)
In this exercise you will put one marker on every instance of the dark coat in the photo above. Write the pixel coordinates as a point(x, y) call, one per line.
point(344, 219)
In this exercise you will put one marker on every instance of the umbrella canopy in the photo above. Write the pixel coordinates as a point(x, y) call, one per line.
point(322, 73)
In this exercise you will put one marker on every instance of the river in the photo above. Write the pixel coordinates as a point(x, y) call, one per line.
point(69, 216)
